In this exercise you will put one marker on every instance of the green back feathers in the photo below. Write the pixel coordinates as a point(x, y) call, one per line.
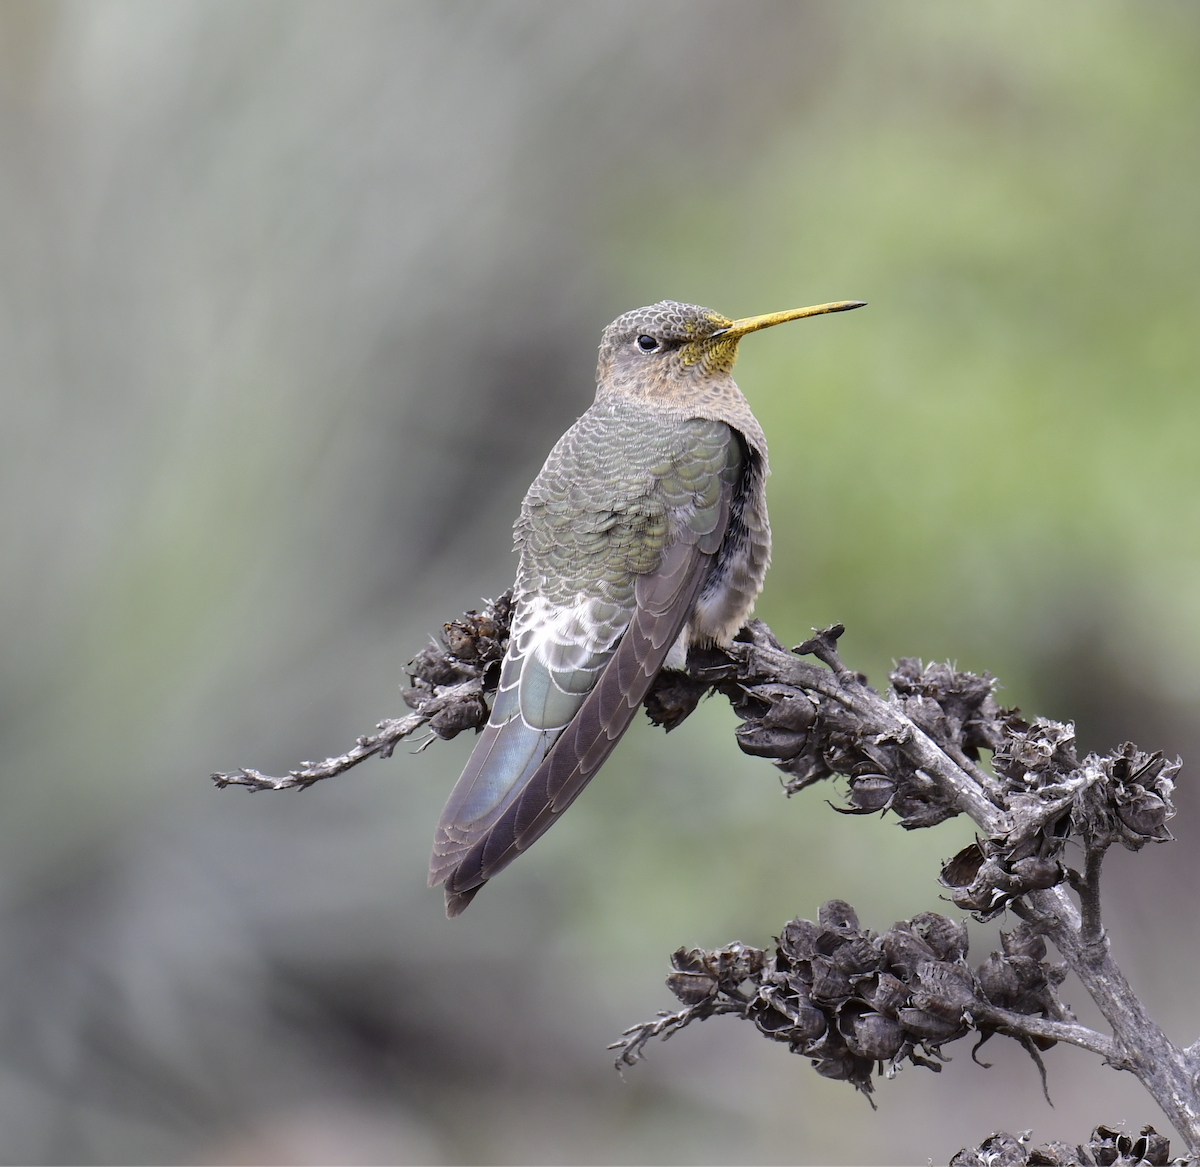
point(604, 506)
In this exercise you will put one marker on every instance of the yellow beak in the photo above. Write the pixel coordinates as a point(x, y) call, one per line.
point(754, 323)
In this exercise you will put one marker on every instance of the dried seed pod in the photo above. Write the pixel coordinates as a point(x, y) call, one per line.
point(1037, 873)
point(811, 1023)
point(847, 1000)
point(771, 1020)
point(949, 940)
point(985, 902)
point(794, 712)
point(998, 981)
point(461, 640)
point(998, 1150)
point(455, 716)
point(1021, 941)
point(838, 916)
point(692, 987)
point(481, 636)
point(692, 979)
point(760, 741)
point(1029, 758)
point(885, 993)
point(905, 951)
point(857, 957)
point(928, 1027)
point(736, 963)
point(799, 980)
point(1151, 1147)
point(1058, 1155)
point(829, 982)
point(871, 792)
point(1133, 804)
point(844, 1066)
point(788, 1017)
point(944, 988)
point(919, 803)
point(963, 868)
point(433, 665)
point(1146, 814)
point(871, 1035)
point(689, 960)
point(809, 766)
point(1108, 1145)
point(928, 715)
point(798, 939)
point(673, 697)
point(1131, 766)
point(964, 698)
point(906, 676)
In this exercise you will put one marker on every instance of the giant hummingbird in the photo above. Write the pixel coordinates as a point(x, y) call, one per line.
point(645, 533)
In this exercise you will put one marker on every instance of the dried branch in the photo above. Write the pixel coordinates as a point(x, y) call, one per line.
point(632, 1046)
point(852, 1000)
point(915, 752)
point(449, 685)
point(380, 744)
point(1108, 1147)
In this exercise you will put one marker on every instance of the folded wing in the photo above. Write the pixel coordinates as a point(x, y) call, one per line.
point(554, 659)
point(544, 791)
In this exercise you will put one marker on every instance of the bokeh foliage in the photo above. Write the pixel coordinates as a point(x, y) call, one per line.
point(294, 299)
point(1003, 438)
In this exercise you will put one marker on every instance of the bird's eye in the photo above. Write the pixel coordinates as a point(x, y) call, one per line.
point(647, 344)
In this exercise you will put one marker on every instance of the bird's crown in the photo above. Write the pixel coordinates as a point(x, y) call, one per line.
point(668, 321)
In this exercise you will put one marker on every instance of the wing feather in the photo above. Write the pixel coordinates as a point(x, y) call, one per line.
point(668, 597)
point(554, 657)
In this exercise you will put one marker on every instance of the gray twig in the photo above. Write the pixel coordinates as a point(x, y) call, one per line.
point(451, 680)
point(380, 744)
point(631, 1048)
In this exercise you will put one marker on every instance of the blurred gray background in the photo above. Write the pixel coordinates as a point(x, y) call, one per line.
point(295, 297)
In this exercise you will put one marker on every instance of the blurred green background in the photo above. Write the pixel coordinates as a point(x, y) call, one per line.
point(294, 298)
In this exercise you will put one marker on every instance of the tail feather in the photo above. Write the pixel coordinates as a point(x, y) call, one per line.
point(497, 770)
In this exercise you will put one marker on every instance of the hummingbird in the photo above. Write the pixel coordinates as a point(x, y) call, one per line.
point(644, 534)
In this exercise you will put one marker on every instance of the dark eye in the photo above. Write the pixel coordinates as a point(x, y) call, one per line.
point(647, 344)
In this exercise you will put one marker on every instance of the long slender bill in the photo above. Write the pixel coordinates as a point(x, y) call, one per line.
point(754, 323)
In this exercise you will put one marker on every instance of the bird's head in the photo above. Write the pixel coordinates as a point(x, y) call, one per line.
point(660, 350)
